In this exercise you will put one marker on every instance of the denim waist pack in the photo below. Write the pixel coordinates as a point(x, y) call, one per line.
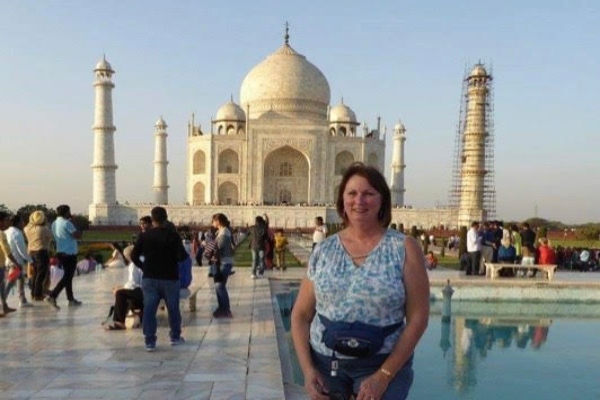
point(355, 339)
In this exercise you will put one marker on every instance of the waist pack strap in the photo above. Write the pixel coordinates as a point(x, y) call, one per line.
point(387, 330)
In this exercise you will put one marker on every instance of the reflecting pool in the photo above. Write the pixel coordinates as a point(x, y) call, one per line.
point(524, 354)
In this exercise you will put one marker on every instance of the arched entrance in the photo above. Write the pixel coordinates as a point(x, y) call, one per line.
point(228, 194)
point(286, 177)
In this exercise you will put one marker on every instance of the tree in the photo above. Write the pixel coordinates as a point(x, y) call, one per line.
point(535, 222)
point(81, 222)
point(589, 232)
point(27, 209)
point(5, 209)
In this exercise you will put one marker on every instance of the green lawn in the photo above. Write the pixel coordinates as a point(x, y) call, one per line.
point(108, 236)
point(243, 257)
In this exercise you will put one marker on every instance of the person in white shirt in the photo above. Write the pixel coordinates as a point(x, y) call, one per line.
point(320, 232)
point(129, 296)
point(18, 248)
point(474, 249)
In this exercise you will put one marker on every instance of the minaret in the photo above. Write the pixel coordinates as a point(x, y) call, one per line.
point(160, 186)
point(473, 157)
point(397, 177)
point(103, 165)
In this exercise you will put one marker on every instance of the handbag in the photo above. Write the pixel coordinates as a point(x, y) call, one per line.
point(355, 339)
point(14, 273)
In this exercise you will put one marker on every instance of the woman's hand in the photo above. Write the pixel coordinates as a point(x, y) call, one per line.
point(314, 384)
point(373, 387)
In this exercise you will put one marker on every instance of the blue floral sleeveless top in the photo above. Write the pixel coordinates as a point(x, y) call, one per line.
point(373, 293)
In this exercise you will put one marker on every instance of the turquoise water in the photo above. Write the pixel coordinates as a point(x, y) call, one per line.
point(501, 356)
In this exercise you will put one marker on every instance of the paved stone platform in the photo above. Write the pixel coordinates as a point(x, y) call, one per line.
point(67, 354)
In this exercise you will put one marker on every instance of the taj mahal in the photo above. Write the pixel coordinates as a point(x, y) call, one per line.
point(282, 151)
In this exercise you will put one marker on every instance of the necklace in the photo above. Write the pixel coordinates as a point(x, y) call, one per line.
point(360, 256)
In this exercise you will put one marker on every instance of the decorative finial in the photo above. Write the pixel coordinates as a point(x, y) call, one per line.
point(342, 99)
point(231, 98)
point(287, 33)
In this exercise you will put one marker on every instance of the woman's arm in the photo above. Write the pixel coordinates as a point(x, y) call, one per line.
point(416, 284)
point(302, 315)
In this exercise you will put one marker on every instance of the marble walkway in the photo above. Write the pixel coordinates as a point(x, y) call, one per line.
point(66, 354)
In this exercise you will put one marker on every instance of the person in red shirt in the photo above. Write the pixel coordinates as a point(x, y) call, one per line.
point(547, 255)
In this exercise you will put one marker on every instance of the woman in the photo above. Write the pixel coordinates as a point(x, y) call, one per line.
point(39, 237)
point(372, 277)
point(128, 296)
point(116, 260)
point(223, 259)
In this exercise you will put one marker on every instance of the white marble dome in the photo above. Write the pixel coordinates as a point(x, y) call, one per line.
point(103, 65)
point(160, 123)
point(230, 112)
point(287, 83)
point(342, 113)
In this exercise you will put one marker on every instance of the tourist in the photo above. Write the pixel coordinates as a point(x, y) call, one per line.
point(223, 259)
point(528, 249)
point(473, 249)
point(145, 223)
point(488, 246)
point(87, 264)
point(39, 237)
point(281, 244)
point(65, 235)
point(116, 259)
point(185, 266)
point(18, 248)
point(129, 296)
point(507, 254)
point(546, 254)
point(270, 249)
point(161, 249)
point(320, 232)
point(258, 244)
point(431, 261)
point(365, 274)
point(5, 255)
point(516, 240)
point(198, 247)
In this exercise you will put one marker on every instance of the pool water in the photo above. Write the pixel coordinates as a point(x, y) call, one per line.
point(499, 356)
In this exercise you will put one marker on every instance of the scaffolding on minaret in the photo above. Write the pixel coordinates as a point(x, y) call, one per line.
point(458, 162)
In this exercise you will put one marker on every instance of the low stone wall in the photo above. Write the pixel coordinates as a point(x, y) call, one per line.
point(286, 217)
point(516, 291)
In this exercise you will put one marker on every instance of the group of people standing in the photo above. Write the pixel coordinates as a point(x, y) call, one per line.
point(158, 261)
point(493, 243)
point(29, 259)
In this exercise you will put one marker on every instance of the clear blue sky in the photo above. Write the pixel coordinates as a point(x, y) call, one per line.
point(397, 59)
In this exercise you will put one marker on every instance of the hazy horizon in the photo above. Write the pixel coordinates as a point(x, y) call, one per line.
point(392, 58)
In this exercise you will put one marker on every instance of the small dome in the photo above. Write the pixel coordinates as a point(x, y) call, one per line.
point(399, 127)
point(478, 70)
point(160, 123)
point(230, 112)
point(103, 65)
point(342, 113)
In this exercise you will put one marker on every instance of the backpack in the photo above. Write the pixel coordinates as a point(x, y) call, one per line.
point(210, 249)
